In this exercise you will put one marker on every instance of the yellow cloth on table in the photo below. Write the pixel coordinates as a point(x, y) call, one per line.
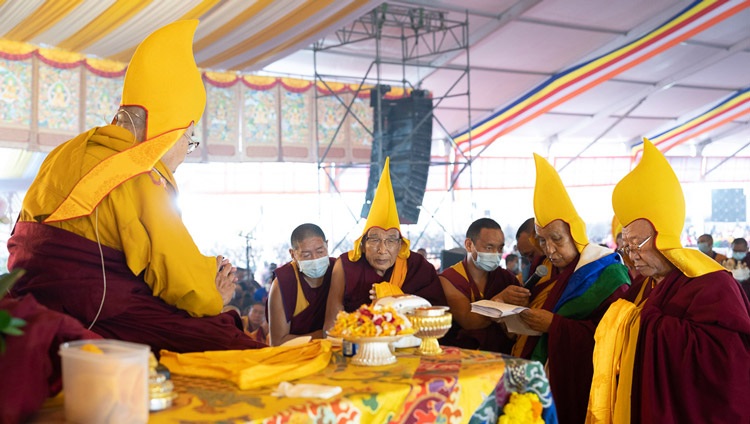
point(250, 369)
point(387, 289)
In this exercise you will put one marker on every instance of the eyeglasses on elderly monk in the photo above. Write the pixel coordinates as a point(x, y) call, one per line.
point(389, 242)
point(192, 144)
point(628, 249)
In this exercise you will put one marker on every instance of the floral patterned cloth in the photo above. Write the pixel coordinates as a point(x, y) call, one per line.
point(460, 386)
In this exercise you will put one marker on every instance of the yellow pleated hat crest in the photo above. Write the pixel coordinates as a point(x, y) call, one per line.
point(652, 191)
point(383, 214)
point(163, 78)
point(551, 202)
point(616, 228)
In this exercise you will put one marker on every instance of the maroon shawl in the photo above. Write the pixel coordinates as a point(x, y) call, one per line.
point(64, 273)
point(30, 367)
point(492, 337)
point(692, 361)
point(421, 280)
point(570, 348)
point(311, 319)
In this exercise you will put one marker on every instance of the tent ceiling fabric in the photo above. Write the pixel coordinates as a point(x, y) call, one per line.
point(515, 46)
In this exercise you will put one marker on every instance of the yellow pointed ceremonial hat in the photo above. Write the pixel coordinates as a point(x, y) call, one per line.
point(616, 228)
point(383, 214)
point(551, 202)
point(652, 191)
point(162, 78)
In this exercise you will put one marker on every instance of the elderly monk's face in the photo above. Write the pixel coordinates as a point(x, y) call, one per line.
point(557, 243)
point(647, 259)
point(381, 248)
point(176, 155)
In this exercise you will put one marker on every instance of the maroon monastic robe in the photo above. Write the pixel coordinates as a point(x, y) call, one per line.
point(64, 273)
point(311, 318)
point(421, 280)
point(30, 366)
point(692, 362)
point(492, 337)
point(570, 347)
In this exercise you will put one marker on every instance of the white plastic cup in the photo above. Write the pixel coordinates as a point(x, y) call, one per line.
point(109, 387)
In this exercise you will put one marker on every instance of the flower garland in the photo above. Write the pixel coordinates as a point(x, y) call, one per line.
point(522, 409)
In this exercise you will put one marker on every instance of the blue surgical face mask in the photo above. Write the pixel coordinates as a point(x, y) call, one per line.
point(704, 247)
point(738, 256)
point(487, 261)
point(314, 268)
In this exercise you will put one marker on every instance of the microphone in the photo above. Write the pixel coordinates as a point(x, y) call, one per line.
point(540, 272)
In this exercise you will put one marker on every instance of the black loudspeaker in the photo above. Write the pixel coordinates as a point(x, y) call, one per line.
point(405, 135)
point(448, 258)
point(728, 205)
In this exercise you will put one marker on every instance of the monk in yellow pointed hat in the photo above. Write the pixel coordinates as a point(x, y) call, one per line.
point(677, 348)
point(582, 279)
point(381, 261)
point(99, 234)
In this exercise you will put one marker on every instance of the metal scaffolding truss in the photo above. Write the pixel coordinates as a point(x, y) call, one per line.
point(416, 40)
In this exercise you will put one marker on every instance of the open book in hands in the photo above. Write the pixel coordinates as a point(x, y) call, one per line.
point(506, 313)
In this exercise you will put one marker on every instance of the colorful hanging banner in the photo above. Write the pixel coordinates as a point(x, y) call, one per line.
point(729, 109)
point(563, 86)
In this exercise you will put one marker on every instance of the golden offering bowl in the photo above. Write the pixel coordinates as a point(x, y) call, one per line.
point(430, 323)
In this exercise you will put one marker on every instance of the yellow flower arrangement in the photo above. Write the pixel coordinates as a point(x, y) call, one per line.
point(522, 409)
point(369, 321)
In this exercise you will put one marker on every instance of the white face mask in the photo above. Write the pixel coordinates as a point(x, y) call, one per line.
point(487, 261)
point(314, 268)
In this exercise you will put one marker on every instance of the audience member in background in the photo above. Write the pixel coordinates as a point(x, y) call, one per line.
point(677, 348)
point(739, 264)
point(531, 254)
point(583, 279)
point(422, 251)
point(706, 245)
point(380, 255)
point(257, 326)
point(299, 292)
point(100, 234)
point(478, 277)
point(512, 264)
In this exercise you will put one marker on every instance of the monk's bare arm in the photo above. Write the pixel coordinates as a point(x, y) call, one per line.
point(276, 316)
point(461, 308)
point(335, 301)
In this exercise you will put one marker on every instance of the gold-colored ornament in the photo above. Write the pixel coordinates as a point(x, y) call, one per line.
point(431, 323)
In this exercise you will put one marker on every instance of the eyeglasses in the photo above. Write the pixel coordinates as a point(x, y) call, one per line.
point(192, 144)
point(389, 242)
point(637, 249)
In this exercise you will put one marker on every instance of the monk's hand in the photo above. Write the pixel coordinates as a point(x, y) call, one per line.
point(537, 319)
point(225, 279)
point(515, 295)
